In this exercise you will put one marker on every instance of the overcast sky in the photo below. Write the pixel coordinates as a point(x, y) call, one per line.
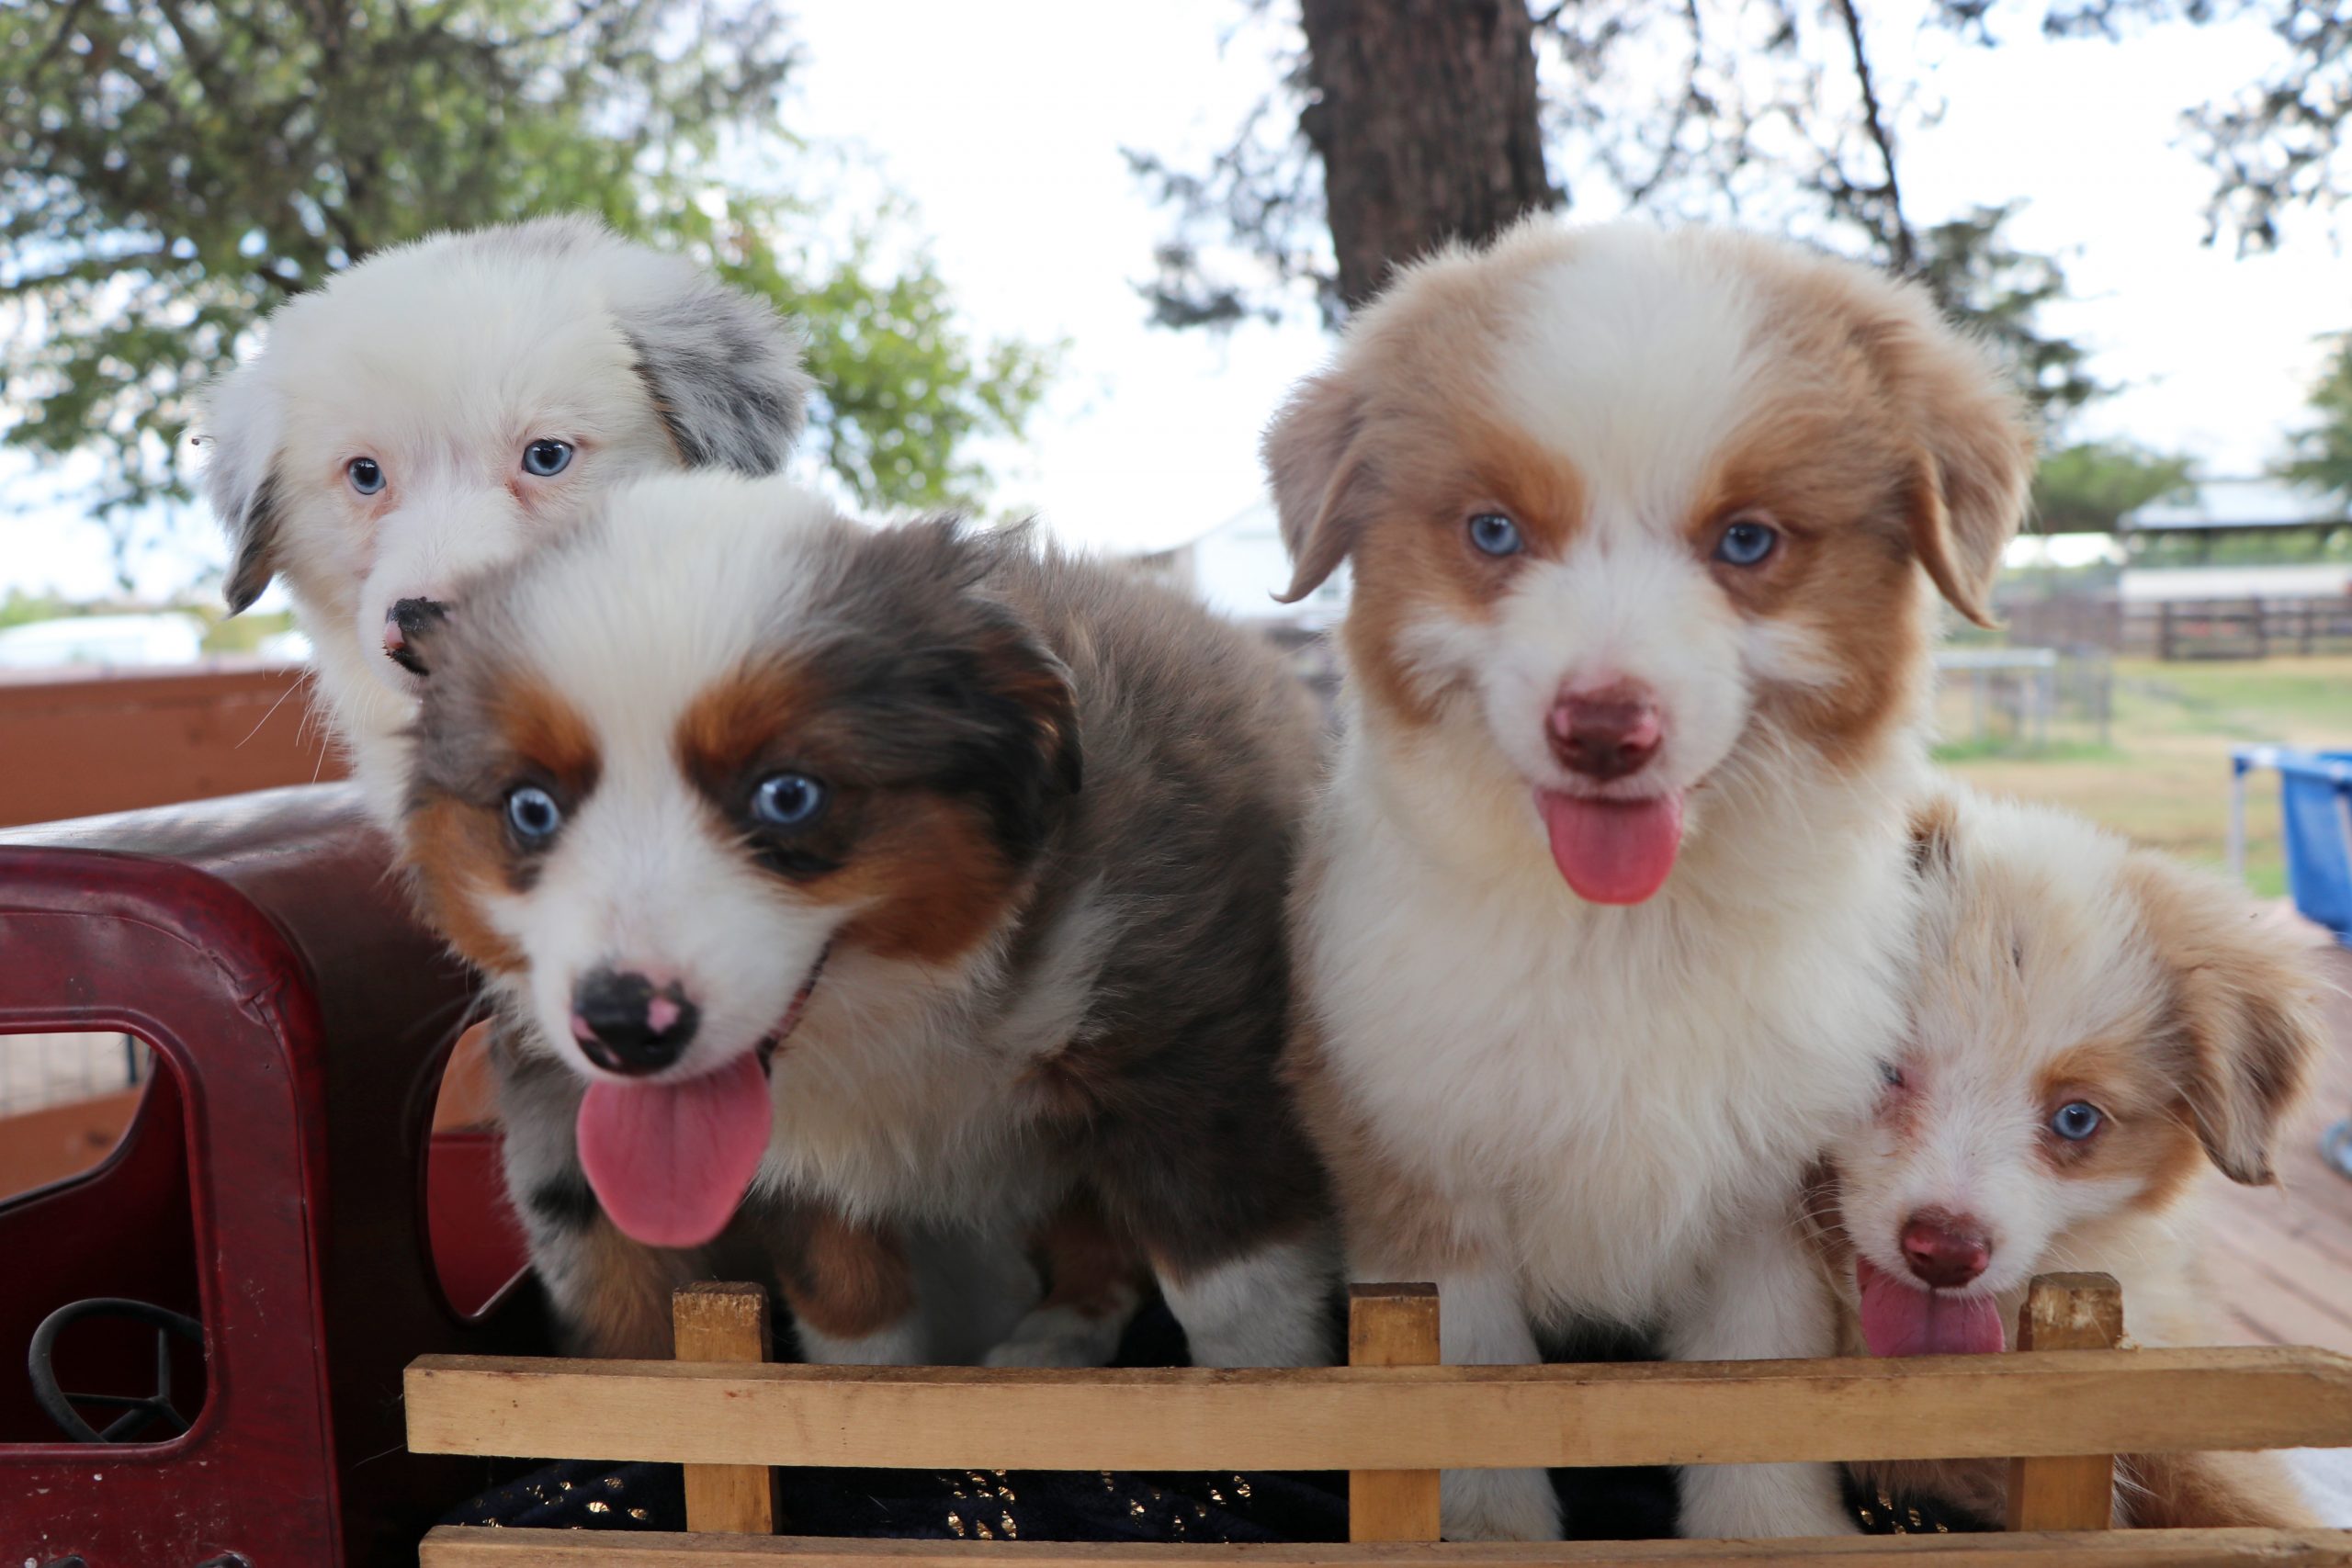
point(1002, 124)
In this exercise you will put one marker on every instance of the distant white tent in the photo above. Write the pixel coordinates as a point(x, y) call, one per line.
point(1237, 567)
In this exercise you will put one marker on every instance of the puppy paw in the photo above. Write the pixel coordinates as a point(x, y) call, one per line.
point(1498, 1505)
point(1059, 1337)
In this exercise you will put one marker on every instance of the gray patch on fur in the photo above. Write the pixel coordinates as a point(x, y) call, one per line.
point(254, 534)
point(240, 426)
point(724, 371)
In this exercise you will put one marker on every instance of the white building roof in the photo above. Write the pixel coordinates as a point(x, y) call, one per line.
point(2260, 502)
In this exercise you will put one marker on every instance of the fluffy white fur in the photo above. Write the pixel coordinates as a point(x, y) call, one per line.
point(1606, 1111)
point(1974, 1053)
point(442, 361)
point(2055, 967)
point(1619, 1103)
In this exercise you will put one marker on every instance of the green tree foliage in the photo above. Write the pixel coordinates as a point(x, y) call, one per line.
point(2322, 452)
point(1785, 114)
point(2084, 488)
point(170, 170)
point(1781, 113)
point(1998, 292)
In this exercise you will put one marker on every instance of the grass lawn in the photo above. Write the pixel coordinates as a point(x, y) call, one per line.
point(2164, 777)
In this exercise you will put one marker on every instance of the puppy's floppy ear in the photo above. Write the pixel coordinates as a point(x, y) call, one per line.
point(995, 712)
point(242, 425)
point(1975, 461)
point(2243, 1008)
point(1323, 486)
point(723, 367)
point(1018, 670)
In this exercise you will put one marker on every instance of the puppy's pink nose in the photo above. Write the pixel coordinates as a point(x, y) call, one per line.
point(1945, 1249)
point(1605, 734)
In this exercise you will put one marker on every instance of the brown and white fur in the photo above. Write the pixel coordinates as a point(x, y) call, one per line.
point(1027, 962)
point(1553, 1107)
point(2060, 968)
point(442, 363)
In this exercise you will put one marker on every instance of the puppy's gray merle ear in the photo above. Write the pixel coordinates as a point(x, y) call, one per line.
point(1324, 489)
point(240, 427)
point(723, 367)
point(2244, 1014)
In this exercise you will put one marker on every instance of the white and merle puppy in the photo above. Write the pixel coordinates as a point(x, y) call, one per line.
point(430, 412)
point(1602, 923)
point(2097, 1038)
point(924, 875)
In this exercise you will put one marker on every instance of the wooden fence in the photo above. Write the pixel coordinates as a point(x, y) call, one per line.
point(2186, 629)
point(1393, 1418)
point(77, 743)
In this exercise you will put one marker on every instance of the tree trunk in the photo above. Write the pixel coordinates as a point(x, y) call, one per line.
point(1424, 113)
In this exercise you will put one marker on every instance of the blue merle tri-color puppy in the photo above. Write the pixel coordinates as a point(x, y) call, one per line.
point(921, 877)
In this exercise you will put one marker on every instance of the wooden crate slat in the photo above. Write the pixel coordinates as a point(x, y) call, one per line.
point(1392, 1326)
point(2066, 1311)
point(465, 1547)
point(2025, 1404)
point(711, 1322)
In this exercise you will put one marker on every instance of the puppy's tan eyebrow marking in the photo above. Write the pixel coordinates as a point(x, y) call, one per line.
point(735, 719)
point(547, 732)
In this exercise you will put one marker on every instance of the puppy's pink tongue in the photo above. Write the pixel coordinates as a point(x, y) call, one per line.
point(1900, 1321)
point(669, 1161)
point(1612, 852)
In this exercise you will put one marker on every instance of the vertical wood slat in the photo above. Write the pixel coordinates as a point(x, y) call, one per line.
point(1392, 1326)
point(2066, 1311)
point(716, 1322)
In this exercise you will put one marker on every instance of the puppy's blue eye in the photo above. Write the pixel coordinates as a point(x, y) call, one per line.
point(788, 800)
point(365, 474)
point(1495, 535)
point(1747, 543)
point(2076, 1120)
point(547, 458)
point(533, 814)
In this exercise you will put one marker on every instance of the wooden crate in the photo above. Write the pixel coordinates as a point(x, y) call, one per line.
point(1393, 1417)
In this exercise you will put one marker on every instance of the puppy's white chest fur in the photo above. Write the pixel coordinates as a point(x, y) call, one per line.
point(1608, 1091)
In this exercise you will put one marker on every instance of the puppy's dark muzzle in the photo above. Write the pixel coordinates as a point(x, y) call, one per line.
point(405, 625)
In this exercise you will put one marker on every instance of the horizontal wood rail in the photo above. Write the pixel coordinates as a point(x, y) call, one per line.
point(2020, 1404)
point(466, 1547)
point(1393, 1419)
point(84, 742)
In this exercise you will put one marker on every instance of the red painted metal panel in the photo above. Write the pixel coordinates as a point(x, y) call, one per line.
point(96, 941)
point(262, 946)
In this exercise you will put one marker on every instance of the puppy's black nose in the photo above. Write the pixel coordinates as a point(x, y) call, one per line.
point(404, 622)
point(627, 1024)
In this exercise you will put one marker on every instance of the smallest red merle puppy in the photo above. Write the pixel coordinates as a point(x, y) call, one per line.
point(909, 879)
